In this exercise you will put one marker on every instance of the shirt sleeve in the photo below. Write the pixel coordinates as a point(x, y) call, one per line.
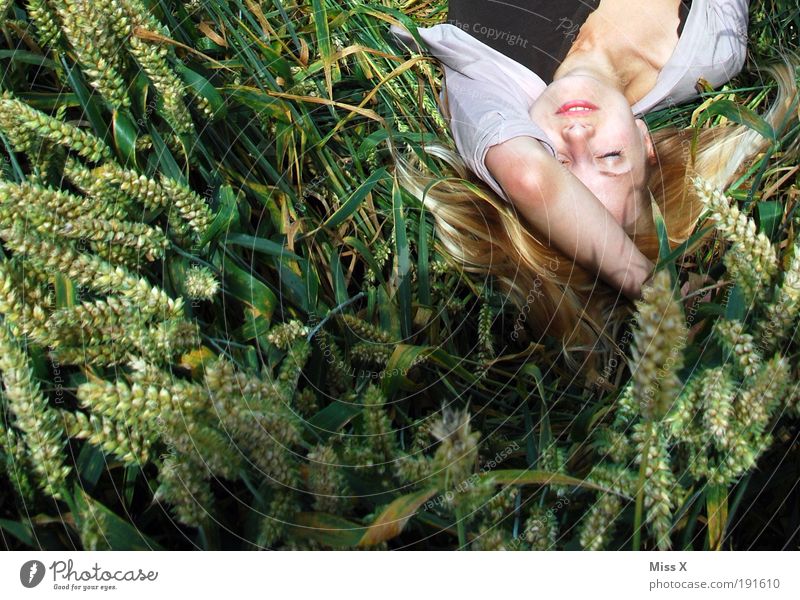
point(488, 98)
point(730, 21)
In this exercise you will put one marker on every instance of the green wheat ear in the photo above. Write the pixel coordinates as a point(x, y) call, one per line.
point(657, 355)
point(378, 426)
point(599, 523)
point(741, 344)
point(751, 260)
point(25, 317)
point(46, 26)
point(777, 326)
point(42, 431)
point(660, 484)
point(200, 283)
point(88, 29)
point(23, 124)
point(326, 480)
point(454, 459)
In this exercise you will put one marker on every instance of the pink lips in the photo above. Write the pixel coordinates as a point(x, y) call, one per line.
point(575, 104)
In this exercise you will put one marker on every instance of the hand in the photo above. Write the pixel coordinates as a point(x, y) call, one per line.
point(636, 278)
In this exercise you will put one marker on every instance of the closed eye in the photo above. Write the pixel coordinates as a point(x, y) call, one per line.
point(612, 154)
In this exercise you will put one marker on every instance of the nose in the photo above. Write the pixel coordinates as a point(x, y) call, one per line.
point(576, 135)
point(577, 131)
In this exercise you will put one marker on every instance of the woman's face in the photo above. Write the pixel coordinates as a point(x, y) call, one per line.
point(598, 140)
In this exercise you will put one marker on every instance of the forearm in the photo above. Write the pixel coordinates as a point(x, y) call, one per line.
point(569, 215)
point(578, 224)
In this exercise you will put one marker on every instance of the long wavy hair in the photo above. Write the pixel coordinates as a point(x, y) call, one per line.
point(482, 234)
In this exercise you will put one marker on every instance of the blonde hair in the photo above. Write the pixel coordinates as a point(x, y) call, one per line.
point(482, 234)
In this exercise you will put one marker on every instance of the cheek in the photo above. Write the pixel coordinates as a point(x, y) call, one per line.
point(538, 110)
point(636, 139)
point(545, 105)
point(539, 116)
point(620, 134)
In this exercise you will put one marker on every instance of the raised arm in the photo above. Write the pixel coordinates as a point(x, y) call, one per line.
point(557, 204)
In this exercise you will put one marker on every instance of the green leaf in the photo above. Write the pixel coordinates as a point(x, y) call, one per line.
point(404, 356)
point(88, 101)
point(225, 217)
point(90, 465)
point(168, 163)
point(292, 287)
point(261, 245)
point(118, 533)
point(352, 203)
point(681, 249)
point(370, 142)
point(329, 530)
point(738, 114)
point(175, 275)
point(22, 531)
point(736, 309)
point(339, 283)
point(709, 309)
point(131, 475)
point(311, 280)
point(717, 514)
point(394, 517)
point(248, 289)
point(332, 418)
point(397, 367)
point(532, 370)
point(124, 137)
point(49, 102)
point(770, 213)
point(252, 328)
point(323, 40)
point(30, 58)
point(66, 291)
point(403, 261)
point(139, 91)
point(256, 100)
point(387, 311)
point(423, 277)
point(663, 243)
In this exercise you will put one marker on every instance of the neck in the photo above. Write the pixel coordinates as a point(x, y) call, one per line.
point(594, 57)
point(628, 57)
point(597, 63)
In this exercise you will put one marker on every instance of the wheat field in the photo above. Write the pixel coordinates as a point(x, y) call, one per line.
point(225, 325)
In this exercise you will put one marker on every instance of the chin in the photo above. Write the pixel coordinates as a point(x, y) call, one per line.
point(586, 84)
